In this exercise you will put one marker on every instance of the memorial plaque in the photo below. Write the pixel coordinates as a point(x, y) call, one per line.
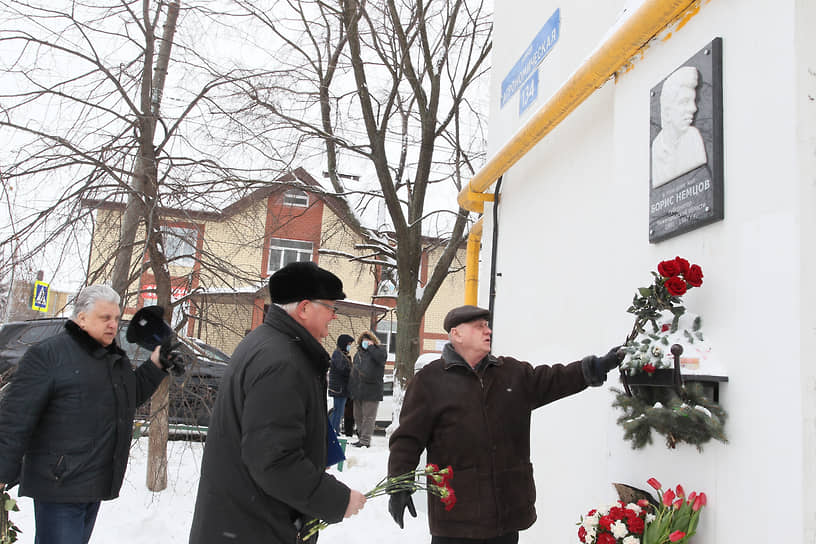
point(686, 166)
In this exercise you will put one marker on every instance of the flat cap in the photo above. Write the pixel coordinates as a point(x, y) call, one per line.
point(464, 314)
point(304, 281)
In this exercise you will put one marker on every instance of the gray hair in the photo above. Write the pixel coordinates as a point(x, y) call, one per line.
point(289, 307)
point(91, 295)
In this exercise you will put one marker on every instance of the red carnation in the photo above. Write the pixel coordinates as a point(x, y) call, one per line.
point(605, 538)
point(448, 498)
point(668, 269)
point(694, 276)
point(606, 522)
point(582, 534)
point(682, 264)
point(636, 526)
point(676, 286)
point(649, 368)
point(616, 513)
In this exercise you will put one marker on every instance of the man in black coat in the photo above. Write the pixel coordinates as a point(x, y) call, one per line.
point(66, 419)
point(471, 410)
point(263, 475)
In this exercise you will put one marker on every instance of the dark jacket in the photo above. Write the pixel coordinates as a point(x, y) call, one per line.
point(66, 419)
point(479, 424)
point(366, 382)
point(339, 373)
point(264, 463)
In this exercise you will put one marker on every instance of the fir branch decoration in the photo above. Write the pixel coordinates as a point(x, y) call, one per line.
point(659, 401)
point(691, 418)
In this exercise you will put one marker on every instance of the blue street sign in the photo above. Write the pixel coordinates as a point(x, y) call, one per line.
point(39, 301)
point(542, 44)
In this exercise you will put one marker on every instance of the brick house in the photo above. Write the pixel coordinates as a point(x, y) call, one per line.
point(245, 242)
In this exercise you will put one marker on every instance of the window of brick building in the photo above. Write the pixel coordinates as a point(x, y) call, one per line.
point(283, 252)
point(296, 197)
point(180, 245)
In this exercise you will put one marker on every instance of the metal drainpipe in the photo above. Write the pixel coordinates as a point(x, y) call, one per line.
point(649, 19)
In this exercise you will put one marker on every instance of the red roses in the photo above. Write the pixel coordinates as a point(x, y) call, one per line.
point(680, 276)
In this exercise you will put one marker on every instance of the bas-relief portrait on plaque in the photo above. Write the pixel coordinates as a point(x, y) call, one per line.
point(686, 166)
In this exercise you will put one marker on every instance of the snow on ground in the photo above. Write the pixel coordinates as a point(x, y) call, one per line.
point(140, 516)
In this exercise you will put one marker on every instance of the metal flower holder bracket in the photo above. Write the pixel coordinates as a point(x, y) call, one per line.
point(665, 377)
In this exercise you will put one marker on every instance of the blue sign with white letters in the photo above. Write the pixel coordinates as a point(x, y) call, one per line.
point(542, 44)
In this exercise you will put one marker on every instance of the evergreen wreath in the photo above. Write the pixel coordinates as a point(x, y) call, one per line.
point(681, 414)
point(691, 417)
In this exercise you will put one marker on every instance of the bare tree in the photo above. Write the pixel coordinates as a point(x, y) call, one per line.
point(392, 86)
point(114, 101)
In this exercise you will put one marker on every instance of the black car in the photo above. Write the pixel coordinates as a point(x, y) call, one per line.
point(191, 397)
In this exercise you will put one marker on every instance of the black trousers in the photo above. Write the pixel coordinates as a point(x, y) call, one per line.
point(509, 538)
point(348, 418)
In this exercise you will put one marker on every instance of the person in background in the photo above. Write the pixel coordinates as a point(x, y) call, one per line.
point(366, 385)
point(263, 473)
point(348, 417)
point(66, 418)
point(471, 410)
point(339, 373)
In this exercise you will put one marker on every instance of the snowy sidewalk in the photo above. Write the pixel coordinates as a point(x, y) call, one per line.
point(139, 516)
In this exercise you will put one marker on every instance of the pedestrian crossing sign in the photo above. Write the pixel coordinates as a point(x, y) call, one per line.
point(39, 301)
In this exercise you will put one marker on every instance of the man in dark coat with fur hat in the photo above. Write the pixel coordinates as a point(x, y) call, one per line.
point(263, 472)
point(471, 410)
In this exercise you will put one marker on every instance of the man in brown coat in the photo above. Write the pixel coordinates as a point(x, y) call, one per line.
point(471, 410)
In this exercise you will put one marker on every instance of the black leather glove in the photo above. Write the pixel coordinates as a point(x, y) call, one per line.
point(397, 503)
point(595, 368)
point(170, 359)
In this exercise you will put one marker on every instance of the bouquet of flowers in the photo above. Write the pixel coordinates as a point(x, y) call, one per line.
point(681, 413)
point(430, 478)
point(616, 524)
point(673, 519)
point(8, 531)
point(676, 516)
point(671, 281)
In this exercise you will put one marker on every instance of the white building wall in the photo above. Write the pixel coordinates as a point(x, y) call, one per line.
point(573, 247)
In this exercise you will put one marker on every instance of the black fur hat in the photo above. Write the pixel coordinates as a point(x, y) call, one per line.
point(304, 281)
point(148, 328)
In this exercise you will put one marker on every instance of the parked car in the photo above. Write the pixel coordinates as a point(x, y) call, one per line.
point(191, 397)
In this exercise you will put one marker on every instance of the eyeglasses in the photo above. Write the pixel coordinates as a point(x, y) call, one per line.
point(327, 306)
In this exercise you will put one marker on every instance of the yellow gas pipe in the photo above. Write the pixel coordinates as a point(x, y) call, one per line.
point(649, 19)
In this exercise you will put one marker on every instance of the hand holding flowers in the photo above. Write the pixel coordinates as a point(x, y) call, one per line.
point(430, 478)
